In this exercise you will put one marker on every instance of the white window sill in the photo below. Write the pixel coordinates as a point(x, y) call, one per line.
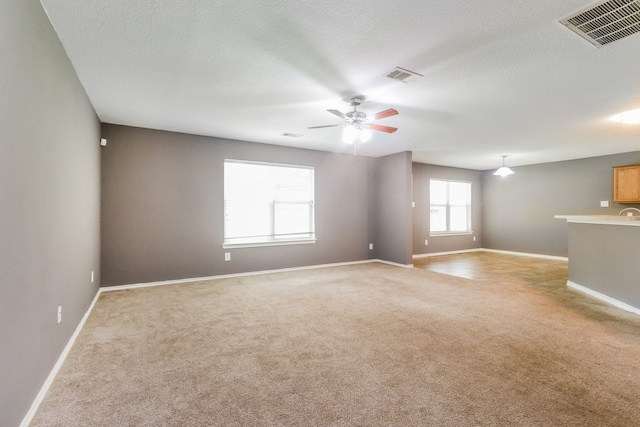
point(268, 243)
point(463, 233)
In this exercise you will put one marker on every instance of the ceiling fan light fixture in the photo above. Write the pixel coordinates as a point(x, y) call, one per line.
point(365, 135)
point(357, 126)
point(349, 134)
point(503, 170)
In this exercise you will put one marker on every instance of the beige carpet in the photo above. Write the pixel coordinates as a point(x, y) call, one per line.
point(362, 345)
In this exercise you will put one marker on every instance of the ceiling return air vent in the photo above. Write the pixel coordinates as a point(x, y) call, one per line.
point(402, 75)
point(606, 21)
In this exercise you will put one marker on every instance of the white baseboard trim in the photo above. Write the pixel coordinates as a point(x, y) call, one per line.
point(45, 387)
point(603, 297)
point(462, 251)
point(527, 254)
point(250, 273)
point(497, 251)
point(395, 264)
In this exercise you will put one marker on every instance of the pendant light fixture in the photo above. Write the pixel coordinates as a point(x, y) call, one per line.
point(503, 171)
point(629, 117)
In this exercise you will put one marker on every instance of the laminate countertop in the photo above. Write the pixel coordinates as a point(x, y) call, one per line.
point(602, 219)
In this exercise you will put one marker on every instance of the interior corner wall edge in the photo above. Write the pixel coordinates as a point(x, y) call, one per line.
point(49, 203)
point(518, 210)
point(162, 207)
point(392, 206)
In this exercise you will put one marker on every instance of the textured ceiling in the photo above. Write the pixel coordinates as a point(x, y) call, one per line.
point(500, 76)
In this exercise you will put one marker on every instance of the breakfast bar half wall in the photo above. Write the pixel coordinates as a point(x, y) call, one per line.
point(604, 258)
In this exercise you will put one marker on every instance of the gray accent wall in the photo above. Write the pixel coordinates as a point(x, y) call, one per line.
point(162, 207)
point(422, 174)
point(518, 210)
point(392, 208)
point(49, 203)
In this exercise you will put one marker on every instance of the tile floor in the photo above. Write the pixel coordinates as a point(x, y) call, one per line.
point(497, 266)
point(546, 276)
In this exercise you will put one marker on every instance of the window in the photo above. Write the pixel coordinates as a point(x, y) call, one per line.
point(267, 204)
point(450, 207)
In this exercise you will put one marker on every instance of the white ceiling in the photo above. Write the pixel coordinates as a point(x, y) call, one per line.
point(500, 76)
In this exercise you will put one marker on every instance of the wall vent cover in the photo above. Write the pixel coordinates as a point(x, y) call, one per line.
point(606, 21)
point(403, 75)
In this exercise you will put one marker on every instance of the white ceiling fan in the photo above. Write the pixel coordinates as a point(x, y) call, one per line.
point(358, 125)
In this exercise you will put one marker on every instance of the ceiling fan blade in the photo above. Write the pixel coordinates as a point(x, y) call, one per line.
point(383, 114)
point(324, 126)
point(338, 113)
point(387, 129)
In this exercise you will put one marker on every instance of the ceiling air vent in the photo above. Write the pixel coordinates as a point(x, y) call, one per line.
point(405, 76)
point(606, 21)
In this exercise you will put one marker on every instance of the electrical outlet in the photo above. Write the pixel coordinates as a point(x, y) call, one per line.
point(227, 256)
point(426, 242)
point(604, 203)
point(91, 276)
point(370, 246)
point(474, 238)
point(59, 314)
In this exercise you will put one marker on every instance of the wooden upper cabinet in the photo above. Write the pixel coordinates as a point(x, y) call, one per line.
point(626, 184)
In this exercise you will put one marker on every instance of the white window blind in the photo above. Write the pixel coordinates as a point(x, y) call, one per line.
point(267, 203)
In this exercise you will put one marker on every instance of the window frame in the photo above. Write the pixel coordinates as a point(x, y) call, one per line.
point(448, 205)
point(271, 239)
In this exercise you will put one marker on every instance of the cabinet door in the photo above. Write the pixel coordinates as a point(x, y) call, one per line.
point(626, 184)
